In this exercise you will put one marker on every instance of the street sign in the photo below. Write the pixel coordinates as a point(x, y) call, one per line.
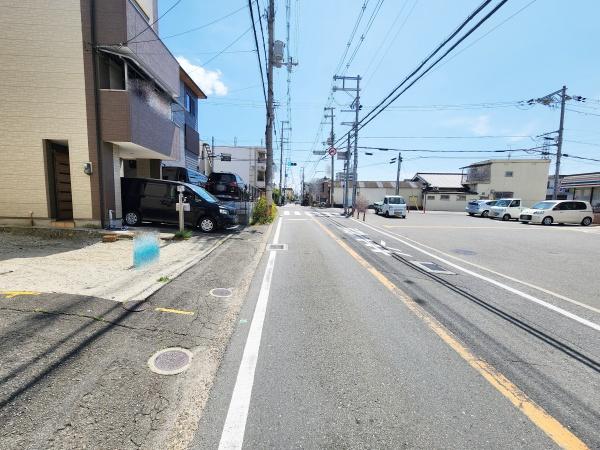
point(342, 155)
point(186, 207)
point(332, 151)
point(319, 152)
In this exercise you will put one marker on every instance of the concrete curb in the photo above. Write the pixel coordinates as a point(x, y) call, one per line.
point(176, 271)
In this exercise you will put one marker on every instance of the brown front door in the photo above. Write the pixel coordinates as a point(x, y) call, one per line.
point(62, 182)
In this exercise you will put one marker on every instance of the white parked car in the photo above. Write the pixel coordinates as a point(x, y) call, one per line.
point(393, 205)
point(507, 208)
point(559, 211)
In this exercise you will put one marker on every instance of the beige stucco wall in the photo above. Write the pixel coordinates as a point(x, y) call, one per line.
point(373, 195)
point(452, 204)
point(528, 182)
point(42, 92)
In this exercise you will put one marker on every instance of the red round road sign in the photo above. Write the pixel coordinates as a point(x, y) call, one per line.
point(332, 151)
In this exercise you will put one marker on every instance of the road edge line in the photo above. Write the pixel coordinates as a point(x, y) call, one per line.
point(535, 413)
point(232, 435)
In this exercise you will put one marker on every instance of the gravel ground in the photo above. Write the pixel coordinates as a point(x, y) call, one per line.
point(87, 266)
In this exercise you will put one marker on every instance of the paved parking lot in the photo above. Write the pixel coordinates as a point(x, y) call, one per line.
point(563, 259)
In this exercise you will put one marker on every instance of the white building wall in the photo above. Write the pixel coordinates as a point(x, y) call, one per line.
point(436, 201)
point(528, 182)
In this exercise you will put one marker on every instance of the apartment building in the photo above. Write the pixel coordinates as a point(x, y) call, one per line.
point(250, 163)
point(503, 178)
point(185, 115)
point(89, 92)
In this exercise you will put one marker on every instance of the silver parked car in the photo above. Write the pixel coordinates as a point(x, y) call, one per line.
point(480, 207)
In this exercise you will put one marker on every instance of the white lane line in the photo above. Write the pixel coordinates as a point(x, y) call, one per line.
point(524, 295)
point(296, 220)
point(286, 213)
point(308, 213)
point(508, 277)
point(296, 213)
point(235, 423)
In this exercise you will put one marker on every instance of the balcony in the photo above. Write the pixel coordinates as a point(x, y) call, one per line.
point(117, 21)
point(139, 124)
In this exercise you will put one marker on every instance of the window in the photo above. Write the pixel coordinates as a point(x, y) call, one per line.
point(444, 197)
point(190, 103)
point(580, 206)
point(431, 197)
point(508, 173)
point(461, 198)
point(156, 189)
point(516, 203)
point(111, 71)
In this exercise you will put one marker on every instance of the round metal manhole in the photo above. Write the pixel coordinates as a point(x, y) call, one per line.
point(220, 292)
point(170, 361)
point(136, 306)
point(462, 251)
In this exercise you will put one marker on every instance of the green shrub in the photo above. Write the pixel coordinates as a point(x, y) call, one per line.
point(260, 214)
point(185, 234)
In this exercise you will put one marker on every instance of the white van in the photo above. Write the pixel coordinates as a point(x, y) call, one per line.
point(506, 209)
point(393, 205)
point(559, 211)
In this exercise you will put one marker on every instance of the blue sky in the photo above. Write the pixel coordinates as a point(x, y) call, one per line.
point(547, 44)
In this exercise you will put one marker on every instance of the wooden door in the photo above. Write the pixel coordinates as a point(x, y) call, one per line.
point(62, 183)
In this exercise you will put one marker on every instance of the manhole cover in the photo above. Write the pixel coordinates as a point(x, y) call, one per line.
point(136, 306)
point(462, 251)
point(170, 361)
point(277, 246)
point(220, 292)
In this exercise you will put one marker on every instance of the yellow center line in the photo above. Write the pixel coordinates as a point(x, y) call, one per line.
point(174, 311)
point(544, 421)
point(13, 294)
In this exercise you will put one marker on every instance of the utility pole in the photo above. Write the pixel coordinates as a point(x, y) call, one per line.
point(281, 163)
point(302, 188)
point(269, 127)
point(563, 98)
point(330, 143)
point(551, 100)
point(398, 173)
point(346, 171)
point(356, 108)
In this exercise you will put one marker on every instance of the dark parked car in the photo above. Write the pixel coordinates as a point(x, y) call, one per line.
point(184, 175)
point(227, 186)
point(154, 201)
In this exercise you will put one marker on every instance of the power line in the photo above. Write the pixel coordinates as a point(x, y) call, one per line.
point(153, 23)
point(260, 68)
point(204, 64)
point(191, 30)
point(364, 34)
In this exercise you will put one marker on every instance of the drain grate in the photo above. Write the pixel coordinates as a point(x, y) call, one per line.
point(136, 306)
point(432, 267)
point(220, 292)
point(170, 361)
point(277, 246)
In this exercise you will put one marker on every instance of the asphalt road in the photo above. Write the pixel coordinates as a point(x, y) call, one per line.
point(348, 342)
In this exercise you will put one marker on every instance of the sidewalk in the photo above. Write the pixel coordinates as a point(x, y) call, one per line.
point(75, 370)
point(84, 265)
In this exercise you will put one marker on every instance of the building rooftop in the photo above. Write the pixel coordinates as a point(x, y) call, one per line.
point(506, 160)
point(440, 180)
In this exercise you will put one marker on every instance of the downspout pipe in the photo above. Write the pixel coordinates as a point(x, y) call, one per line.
point(97, 111)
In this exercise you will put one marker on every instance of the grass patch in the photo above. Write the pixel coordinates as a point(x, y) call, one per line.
point(183, 235)
point(164, 279)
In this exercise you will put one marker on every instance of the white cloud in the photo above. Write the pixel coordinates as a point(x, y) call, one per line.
point(208, 80)
point(479, 125)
